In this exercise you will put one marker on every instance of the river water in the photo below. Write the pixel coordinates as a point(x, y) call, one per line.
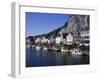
point(36, 58)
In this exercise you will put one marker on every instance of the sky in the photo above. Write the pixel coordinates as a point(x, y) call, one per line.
point(40, 23)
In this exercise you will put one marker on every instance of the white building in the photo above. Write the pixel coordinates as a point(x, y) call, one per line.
point(69, 39)
point(44, 40)
point(51, 40)
point(84, 33)
point(48, 41)
point(28, 41)
point(58, 40)
point(85, 37)
point(37, 40)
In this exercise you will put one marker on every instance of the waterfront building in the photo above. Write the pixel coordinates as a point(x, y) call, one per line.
point(58, 40)
point(28, 41)
point(69, 39)
point(85, 37)
point(52, 39)
point(44, 40)
point(37, 40)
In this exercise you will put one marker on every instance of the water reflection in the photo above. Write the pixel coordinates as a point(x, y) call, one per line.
point(52, 58)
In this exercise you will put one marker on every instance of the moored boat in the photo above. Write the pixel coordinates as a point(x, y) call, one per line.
point(53, 49)
point(75, 51)
point(28, 45)
point(38, 47)
point(45, 48)
point(33, 46)
point(64, 50)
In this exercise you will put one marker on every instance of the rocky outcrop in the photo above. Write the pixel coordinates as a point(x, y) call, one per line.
point(74, 25)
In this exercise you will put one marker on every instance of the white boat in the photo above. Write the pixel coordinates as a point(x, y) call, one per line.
point(75, 52)
point(28, 46)
point(33, 46)
point(45, 48)
point(38, 47)
point(64, 50)
point(55, 49)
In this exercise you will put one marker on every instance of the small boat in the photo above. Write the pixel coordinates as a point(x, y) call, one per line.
point(64, 50)
point(28, 46)
point(38, 47)
point(53, 49)
point(45, 48)
point(75, 52)
point(33, 46)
